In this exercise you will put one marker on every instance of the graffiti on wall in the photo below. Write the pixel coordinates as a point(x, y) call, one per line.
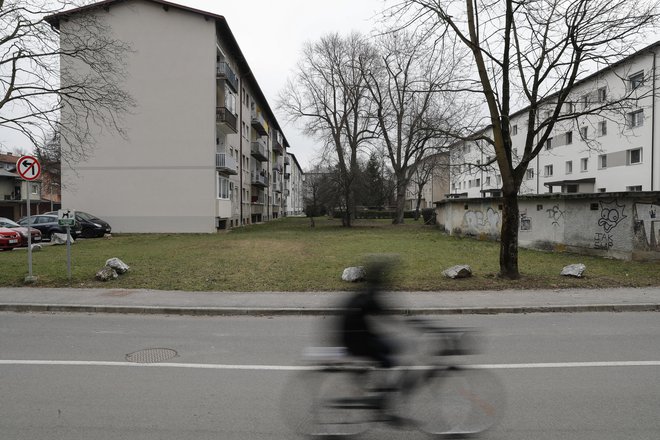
point(647, 225)
point(555, 214)
point(525, 221)
point(611, 214)
point(480, 222)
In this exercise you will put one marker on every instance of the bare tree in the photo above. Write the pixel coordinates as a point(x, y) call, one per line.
point(410, 89)
point(531, 55)
point(328, 94)
point(434, 166)
point(33, 91)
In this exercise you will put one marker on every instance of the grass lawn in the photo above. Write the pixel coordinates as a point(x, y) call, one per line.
point(289, 255)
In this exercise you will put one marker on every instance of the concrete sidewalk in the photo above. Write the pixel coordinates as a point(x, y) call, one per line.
point(322, 303)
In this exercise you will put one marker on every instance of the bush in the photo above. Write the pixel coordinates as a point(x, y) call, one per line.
point(429, 216)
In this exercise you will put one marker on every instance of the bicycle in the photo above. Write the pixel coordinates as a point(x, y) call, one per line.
point(336, 395)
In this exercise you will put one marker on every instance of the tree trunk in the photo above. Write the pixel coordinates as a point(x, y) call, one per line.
point(400, 205)
point(509, 237)
point(419, 203)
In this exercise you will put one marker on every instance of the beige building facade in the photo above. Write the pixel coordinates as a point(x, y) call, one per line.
point(203, 151)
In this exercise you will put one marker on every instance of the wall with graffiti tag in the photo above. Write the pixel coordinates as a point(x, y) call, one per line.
point(616, 225)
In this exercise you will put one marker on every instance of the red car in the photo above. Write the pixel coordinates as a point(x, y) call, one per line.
point(9, 239)
point(22, 230)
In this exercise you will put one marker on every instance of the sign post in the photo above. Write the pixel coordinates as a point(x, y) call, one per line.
point(67, 218)
point(29, 169)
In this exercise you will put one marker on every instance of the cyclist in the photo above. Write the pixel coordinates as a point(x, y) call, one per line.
point(361, 337)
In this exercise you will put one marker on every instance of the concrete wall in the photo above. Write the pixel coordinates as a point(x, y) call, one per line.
point(162, 178)
point(616, 225)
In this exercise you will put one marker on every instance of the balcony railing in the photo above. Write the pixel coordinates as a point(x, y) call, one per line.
point(259, 123)
point(259, 151)
point(278, 142)
point(224, 71)
point(225, 118)
point(225, 162)
point(259, 179)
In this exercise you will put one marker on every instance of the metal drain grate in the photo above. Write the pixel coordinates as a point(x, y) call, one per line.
point(151, 355)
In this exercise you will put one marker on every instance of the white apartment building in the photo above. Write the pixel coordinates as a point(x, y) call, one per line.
point(204, 151)
point(294, 183)
point(610, 152)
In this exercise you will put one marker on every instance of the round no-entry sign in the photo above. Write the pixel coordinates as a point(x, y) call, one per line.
point(28, 167)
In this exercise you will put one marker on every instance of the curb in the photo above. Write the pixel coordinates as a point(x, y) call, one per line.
point(297, 311)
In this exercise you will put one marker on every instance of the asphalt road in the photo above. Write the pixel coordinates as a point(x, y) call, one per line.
point(65, 376)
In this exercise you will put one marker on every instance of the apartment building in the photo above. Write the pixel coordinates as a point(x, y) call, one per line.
point(294, 183)
point(204, 151)
point(433, 172)
point(613, 151)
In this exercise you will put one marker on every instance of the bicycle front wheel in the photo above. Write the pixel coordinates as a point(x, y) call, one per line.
point(327, 404)
point(458, 402)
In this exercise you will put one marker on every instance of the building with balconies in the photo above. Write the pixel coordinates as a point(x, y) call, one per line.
point(202, 142)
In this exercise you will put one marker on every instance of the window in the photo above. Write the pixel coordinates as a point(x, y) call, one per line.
point(584, 164)
point(635, 188)
point(636, 119)
point(569, 167)
point(602, 190)
point(514, 130)
point(548, 144)
point(634, 156)
point(488, 180)
point(572, 189)
point(602, 161)
point(602, 94)
point(35, 188)
point(548, 170)
point(635, 80)
point(223, 188)
point(602, 128)
point(569, 108)
point(530, 173)
point(569, 138)
point(585, 102)
point(584, 131)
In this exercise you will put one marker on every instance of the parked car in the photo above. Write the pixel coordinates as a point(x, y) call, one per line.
point(36, 233)
point(9, 239)
point(48, 225)
point(92, 226)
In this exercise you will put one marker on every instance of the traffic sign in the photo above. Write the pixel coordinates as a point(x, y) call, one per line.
point(66, 217)
point(28, 167)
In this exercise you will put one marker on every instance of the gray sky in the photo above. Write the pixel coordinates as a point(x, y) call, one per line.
point(271, 35)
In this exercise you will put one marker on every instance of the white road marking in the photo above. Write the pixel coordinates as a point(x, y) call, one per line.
point(240, 367)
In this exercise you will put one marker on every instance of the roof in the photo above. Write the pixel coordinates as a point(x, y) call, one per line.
point(9, 158)
point(245, 71)
point(5, 173)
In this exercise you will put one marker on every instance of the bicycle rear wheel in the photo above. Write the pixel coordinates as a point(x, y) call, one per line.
point(458, 402)
point(326, 404)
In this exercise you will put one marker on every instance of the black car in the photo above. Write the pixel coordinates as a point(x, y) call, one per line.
point(48, 225)
point(92, 226)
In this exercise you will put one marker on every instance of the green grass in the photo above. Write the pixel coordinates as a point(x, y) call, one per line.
point(289, 255)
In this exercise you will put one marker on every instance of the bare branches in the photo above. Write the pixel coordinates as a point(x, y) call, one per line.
point(34, 91)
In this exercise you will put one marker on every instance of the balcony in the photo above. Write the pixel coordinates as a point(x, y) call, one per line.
point(226, 120)
point(225, 163)
point(223, 71)
point(259, 179)
point(259, 151)
point(277, 187)
point(259, 123)
point(278, 142)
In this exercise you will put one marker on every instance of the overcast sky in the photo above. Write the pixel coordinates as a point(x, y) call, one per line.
point(271, 35)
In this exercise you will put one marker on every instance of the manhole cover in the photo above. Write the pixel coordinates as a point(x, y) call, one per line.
point(151, 355)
